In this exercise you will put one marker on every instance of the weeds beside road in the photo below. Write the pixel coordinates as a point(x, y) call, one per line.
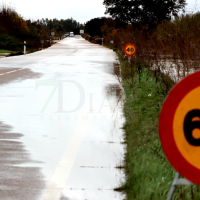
point(5, 51)
point(149, 175)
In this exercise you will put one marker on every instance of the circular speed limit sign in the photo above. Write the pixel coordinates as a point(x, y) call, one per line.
point(130, 49)
point(179, 127)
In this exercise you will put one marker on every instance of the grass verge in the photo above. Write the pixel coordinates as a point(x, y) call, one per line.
point(5, 51)
point(149, 175)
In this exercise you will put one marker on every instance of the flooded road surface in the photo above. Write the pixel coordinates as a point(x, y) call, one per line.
point(60, 124)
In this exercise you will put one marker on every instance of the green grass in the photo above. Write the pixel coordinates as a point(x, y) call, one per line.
point(5, 51)
point(31, 51)
point(149, 175)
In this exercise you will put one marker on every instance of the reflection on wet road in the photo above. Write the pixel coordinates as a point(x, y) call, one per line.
point(60, 124)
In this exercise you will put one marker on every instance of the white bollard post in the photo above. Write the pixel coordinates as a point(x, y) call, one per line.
point(24, 47)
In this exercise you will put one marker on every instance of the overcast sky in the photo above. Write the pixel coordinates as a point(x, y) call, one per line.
point(80, 10)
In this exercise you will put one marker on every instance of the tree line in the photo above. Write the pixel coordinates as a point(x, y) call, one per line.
point(142, 14)
point(14, 29)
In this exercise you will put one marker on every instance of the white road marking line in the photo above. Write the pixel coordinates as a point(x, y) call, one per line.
point(62, 172)
point(11, 71)
point(8, 72)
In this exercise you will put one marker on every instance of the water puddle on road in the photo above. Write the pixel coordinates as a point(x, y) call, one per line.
point(17, 182)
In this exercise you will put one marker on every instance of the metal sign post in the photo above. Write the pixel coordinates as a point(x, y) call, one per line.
point(129, 59)
point(42, 42)
point(177, 181)
point(52, 33)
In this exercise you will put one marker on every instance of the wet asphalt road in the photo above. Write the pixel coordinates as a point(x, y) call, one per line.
point(60, 124)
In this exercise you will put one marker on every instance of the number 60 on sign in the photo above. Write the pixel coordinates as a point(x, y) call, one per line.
point(179, 127)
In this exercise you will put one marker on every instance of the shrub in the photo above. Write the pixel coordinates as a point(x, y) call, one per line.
point(8, 42)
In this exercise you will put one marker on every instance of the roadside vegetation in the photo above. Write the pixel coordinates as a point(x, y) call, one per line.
point(5, 51)
point(167, 51)
point(149, 175)
point(14, 30)
point(165, 55)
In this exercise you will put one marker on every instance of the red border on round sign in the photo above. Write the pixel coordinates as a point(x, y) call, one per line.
point(170, 105)
point(133, 52)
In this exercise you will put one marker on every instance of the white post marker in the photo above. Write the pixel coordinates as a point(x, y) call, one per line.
point(24, 47)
